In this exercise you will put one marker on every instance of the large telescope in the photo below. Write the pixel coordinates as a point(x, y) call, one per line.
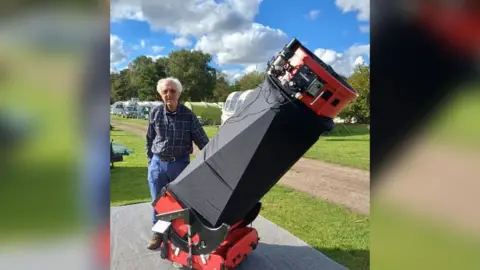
point(203, 214)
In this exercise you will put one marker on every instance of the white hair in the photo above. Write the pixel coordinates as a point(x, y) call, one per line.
point(161, 84)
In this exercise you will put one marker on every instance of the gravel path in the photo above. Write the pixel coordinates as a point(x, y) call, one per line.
point(341, 185)
point(435, 180)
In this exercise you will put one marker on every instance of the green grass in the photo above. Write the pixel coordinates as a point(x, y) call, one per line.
point(129, 120)
point(334, 230)
point(331, 229)
point(128, 181)
point(39, 190)
point(456, 122)
point(347, 145)
point(403, 240)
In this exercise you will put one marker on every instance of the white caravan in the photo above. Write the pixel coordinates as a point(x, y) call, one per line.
point(235, 103)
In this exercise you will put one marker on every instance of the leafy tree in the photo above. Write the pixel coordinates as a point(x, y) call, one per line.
point(121, 87)
point(222, 88)
point(161, 65)
point(249, 81)
point(144, 77)
point(193, 70)
point(360, 107)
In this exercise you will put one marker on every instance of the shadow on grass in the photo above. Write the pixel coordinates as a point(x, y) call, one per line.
point(345, 140)
point(274, 256)
point(350, 258)
point(342, 130)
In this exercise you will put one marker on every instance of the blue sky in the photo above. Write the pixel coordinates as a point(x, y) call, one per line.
point(240, 34)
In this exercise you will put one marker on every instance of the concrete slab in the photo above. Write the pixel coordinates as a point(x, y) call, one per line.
point(278, 249)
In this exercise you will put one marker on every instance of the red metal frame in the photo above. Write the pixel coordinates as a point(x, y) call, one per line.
point(459, 26)
point(339, 91)
point(238, 243)
point(102, 247)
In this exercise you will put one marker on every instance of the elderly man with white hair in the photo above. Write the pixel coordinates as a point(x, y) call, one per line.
point(172, 129)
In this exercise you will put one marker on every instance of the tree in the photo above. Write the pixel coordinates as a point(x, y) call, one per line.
point(161, 65)
point(193, 70)
point(120, 86)
point(144, 77)
point(249, 81)
point(222, 88)
point(360, 107)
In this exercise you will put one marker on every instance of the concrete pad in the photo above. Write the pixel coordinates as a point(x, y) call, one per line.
point(278, 249)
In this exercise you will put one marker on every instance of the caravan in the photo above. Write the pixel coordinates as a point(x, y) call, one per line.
point(117, 108)
point(234, 103)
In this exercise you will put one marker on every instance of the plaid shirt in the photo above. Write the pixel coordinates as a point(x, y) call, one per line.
point(171, 134)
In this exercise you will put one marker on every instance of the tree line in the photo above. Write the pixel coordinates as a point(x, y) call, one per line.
point(202, 82)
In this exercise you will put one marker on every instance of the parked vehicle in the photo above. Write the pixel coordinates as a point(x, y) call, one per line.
point(234, 103)
point(229, 106)
point(117, 108)
point(130, 112)
point(140, 109)
point(208, 113)
point(241, 100)
point(143, 112)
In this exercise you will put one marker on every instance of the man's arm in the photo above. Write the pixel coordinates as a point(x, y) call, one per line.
point(150, 136)
point(198, 133)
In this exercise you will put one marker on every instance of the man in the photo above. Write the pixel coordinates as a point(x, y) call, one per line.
point(171, 130)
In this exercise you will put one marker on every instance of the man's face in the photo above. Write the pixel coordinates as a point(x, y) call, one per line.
point(170, 94)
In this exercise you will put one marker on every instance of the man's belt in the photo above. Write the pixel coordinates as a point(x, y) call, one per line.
point(171, 159)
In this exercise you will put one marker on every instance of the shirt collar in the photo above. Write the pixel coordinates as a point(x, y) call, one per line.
point(169, 113)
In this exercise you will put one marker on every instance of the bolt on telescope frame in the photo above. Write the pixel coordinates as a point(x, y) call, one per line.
point(203, 215)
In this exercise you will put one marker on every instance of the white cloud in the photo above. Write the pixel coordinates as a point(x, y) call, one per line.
point(233, 74)
point(140, 45)
point(182, 42)
point(117, 51)
point(126, 9)
point(255, 45)
point(257, 67)
point(225, 28)
point(344, 63)
point(157, 49)
point(188, 17)
point(155, 57)
point(362, 7)
point(114, 69)
point(313, 14)
point(364, 28)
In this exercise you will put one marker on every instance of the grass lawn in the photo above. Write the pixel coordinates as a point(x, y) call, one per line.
point(129, 120)
point(334, 230)
point(39, 186)
point(403, 240)
point(347, 145)
point(456, 123)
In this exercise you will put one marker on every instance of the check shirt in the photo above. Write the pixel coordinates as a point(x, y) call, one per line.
point(171, 134)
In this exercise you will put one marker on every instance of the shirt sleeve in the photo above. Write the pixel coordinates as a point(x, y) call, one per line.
point(198, 134)
point(150, 136)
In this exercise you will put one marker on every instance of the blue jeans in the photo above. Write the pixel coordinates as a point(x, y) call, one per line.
point(161, 173)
